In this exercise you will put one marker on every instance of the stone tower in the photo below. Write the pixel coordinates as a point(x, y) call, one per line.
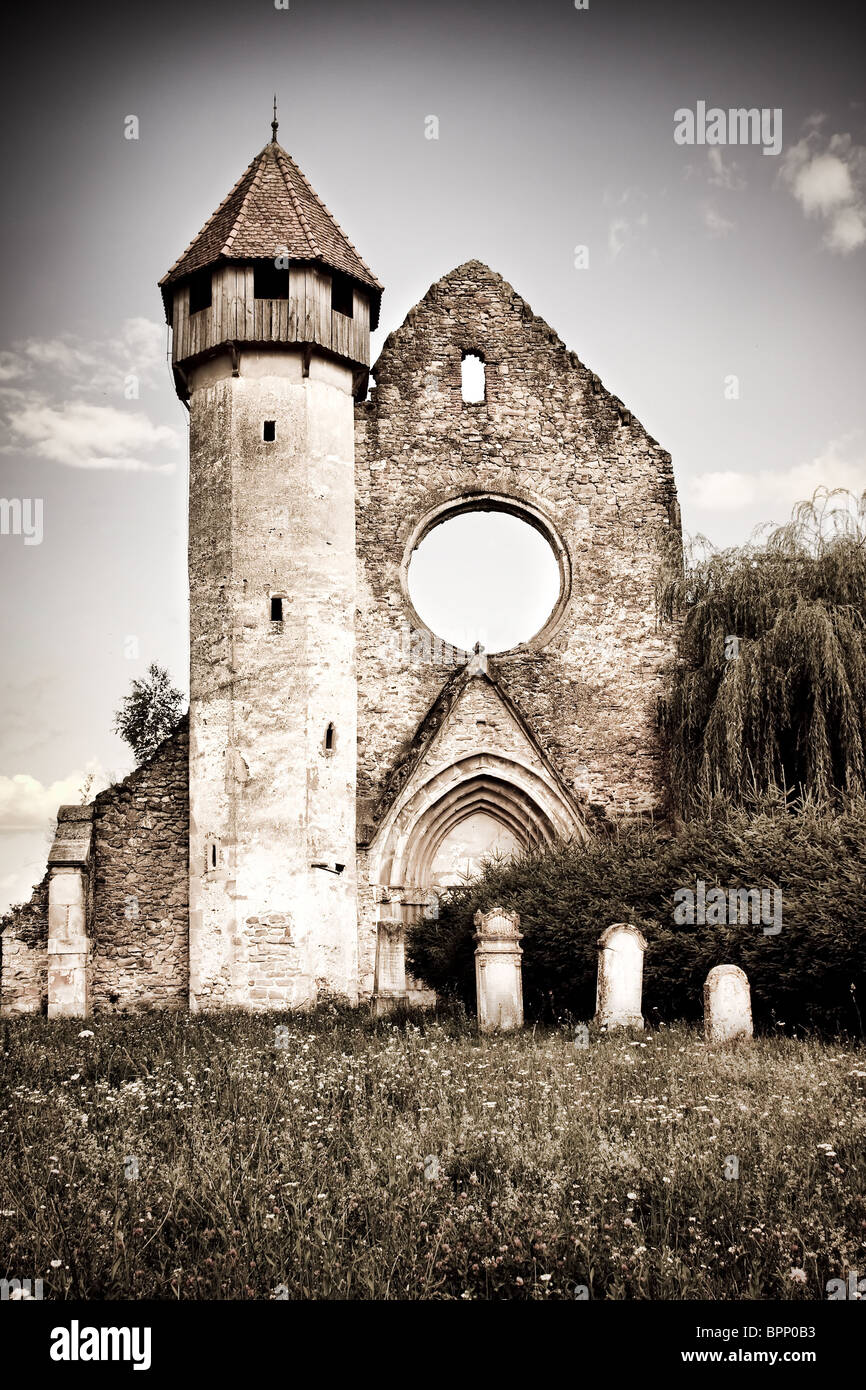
point(271, 309)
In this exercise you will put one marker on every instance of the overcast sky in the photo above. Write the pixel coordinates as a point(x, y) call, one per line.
point(556, 131)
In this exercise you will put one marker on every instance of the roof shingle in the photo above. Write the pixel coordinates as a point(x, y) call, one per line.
point(272, 206)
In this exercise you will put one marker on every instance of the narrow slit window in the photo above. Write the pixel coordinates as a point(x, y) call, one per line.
point(342, 301)
point(330, 738)
point(200, 291)
point(276, 610)
point(269, 431)
point(269, 282)
point(472, 378)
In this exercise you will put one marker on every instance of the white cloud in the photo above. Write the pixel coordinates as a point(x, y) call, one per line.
point(847, 230)
point(629, 219)
point(822, 183)
point(137, 349)
point(13, 366)
point(828, 180)
point(81, 435)
point(28, 804)
point(624, 230)
point(774, 490)
point(52, 414)
point(723, 175)
point(59, 355)
point(617, 235)
point(17, 887)
point(715, 223)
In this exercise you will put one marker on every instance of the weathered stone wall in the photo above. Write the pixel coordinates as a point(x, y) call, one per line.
point(139, 918)
point(24, 955)
point(547, 435)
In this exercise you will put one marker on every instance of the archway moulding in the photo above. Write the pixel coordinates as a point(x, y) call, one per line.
point(506, 788)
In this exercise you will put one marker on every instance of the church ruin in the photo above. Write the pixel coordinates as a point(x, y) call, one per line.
point(328, 778)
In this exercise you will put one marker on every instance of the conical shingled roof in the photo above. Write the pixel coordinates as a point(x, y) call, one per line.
point(273, 205)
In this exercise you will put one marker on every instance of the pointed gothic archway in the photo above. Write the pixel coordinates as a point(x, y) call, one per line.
point(406, 855)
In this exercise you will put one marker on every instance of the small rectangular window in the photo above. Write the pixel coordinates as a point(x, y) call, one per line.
point(269, 431)
point(269, 282)
point(342, 295)
point(276, 610)
point(472, 378)
point(200, 291)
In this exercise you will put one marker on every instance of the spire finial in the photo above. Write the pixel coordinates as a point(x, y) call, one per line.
point(274, 122)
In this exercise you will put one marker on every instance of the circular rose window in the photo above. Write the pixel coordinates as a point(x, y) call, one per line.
point(485, 576)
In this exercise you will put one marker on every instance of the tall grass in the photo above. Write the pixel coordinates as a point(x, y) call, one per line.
point(417, 1160)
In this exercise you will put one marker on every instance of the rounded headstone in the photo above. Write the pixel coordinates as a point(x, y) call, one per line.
point(620, 977)
point(727, 1005)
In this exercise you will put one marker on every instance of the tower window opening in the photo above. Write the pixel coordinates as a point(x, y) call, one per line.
point(200, 296)
point(212, 857)
point(472, 378)
point(342, 300)
point(269, 431)
point(330, 739)
point(269, 282)
point(276, 609)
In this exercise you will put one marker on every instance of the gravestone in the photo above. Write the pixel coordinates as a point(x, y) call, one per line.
point(498, 972)
point(390, 965)
point(620, 977)
point(727, 1005)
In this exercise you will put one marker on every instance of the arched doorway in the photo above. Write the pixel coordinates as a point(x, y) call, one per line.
point(458, 816)
point(465, 846)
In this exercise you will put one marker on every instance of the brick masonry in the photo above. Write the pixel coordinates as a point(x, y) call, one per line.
point(140, 923)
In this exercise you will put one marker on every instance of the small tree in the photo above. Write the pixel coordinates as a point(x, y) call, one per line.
point(149, 713)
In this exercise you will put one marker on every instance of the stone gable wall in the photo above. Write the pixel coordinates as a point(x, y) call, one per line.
point(140, 921)
point(551, 436)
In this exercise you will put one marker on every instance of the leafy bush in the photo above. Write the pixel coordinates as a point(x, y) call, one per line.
point(811, 974)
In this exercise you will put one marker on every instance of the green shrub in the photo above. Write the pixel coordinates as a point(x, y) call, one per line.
point(811, 974)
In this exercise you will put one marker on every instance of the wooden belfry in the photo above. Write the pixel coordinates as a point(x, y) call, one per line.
point(270, 267)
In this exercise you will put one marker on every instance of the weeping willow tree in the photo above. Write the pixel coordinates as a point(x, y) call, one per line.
point(768, 691)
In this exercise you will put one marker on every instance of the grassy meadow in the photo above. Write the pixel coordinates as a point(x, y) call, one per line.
point(329, 1156)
